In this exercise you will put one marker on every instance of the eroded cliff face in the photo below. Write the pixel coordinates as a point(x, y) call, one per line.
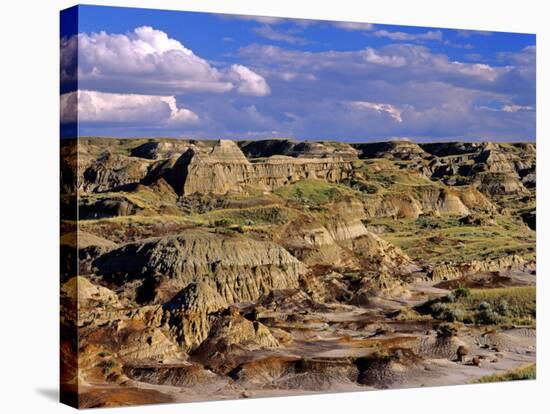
point(239, 268)
point(455, 271)
point(338, 237)
point(291, 148)
point(189, 313)
point(277, 171)
point(497, 184)
point(229, 334)
point(499, 161)
point(399, 150)
point(422, 200)
point(110, 171)
point(226, 169)
point(222, 170)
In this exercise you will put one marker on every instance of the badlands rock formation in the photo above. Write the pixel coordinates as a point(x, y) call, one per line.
point(226, 169)
point(257, 268)
point(239, 268)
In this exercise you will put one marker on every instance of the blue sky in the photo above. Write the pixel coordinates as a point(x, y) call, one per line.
point(170, 73)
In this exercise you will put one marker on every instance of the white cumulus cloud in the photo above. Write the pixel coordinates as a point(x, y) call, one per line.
point(379, 107)
point(93, 106)
point(148, 61)
point(372, 56)
point(249, 82)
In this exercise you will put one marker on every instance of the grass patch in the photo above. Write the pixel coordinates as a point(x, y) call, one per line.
point(131, 228)
point(314, 192)
point(497, 306)
point(143, 198)
point(393, 175)
point(445, 239)
point(406, 314)
point(520, 300)
point(528, 372)
point(255, 216)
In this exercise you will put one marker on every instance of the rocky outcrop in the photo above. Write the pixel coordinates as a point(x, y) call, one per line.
point(423, 199)
point(230, 334)
point(189, 313)
point(396, 205)
point(137, 199)
point(385, 256)
point(439, 346)
point(312, 243)
point(149, 343)
point(240, 268)
point(304, 149)
point(111, 171)
point(529, 179)
point(496, 184)
point(397, 150)
point(475, 200)
point(277, 171)
point(343, 241)
point(441, 201)
point(90, 208)
point(87, 294)
point(446, 272)
point(498, 161)
point(467, 163)
point(267, 147)
point(444, 149)
point(493, 265)
point(502, 158)
point(234, 329)
point(226, 169)
point(82, 245)
point(455, 271)
point(197, 298)
point(156, 150)
point(179, 374)
point(326, 240)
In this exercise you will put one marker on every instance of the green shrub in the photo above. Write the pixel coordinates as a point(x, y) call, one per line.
point(488, 317)
point(493, 306)
point(484, 306)
point(462, 292)
point(223, 222)
point(438, 309)
point(454, 315)
point(447, 313)
point(503, 308)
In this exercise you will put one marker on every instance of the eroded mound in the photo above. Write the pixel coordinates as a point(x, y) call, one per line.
point(240, 268)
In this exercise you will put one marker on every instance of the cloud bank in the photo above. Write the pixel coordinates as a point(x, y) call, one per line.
point(148, 61)
point(396, 86)
point(93, 106)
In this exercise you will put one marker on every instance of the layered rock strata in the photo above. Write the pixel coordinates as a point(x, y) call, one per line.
point(239, 268)
point(226, 169)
